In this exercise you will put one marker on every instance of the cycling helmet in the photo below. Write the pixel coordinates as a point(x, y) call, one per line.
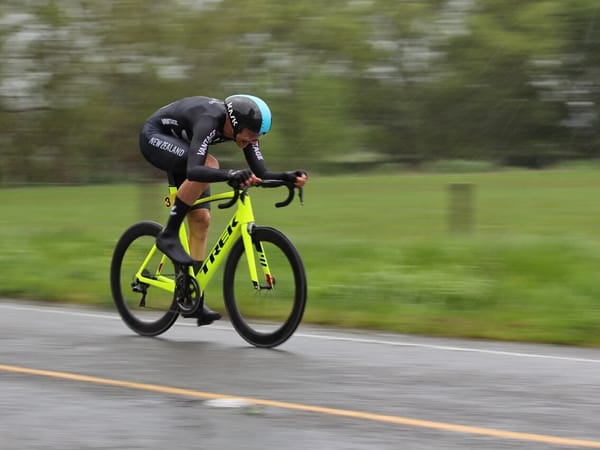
point(247, 111)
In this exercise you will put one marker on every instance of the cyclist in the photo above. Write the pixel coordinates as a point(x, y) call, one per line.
point(177, 139)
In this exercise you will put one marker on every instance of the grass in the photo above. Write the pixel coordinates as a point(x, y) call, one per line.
point(380, 250)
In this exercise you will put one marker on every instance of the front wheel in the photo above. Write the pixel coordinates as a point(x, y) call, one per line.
point(268, 314)
point(147, 310)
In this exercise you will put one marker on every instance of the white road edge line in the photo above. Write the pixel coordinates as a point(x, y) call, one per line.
point(327, 337)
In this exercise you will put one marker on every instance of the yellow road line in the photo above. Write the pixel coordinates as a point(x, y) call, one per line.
point(397, 420)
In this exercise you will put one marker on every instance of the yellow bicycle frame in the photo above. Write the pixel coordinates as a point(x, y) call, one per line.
point(241, 224)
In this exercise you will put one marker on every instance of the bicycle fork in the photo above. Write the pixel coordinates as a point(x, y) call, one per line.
point(251, 246)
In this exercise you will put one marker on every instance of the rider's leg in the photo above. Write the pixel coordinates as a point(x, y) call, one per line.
point(170, 154)
point(199, 220)
point(189, 191)
point(168, 240)
point(152, 140)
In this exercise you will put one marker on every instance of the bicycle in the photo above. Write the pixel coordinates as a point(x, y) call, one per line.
point(150, 291)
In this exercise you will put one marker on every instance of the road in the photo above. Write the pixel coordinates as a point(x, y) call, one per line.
point(75, 378)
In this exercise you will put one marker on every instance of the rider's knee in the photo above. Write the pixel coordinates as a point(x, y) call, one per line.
point(199, 220)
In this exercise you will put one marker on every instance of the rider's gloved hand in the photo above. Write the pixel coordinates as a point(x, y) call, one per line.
point(295, 174)
point(238, 178)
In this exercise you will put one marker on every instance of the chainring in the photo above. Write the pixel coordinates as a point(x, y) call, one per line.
point(187, 291)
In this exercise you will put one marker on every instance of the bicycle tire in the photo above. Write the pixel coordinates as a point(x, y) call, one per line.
point(160, 310)
point(265, 317)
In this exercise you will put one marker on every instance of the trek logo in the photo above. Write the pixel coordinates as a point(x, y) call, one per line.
point(234, 121)
point(220, 244)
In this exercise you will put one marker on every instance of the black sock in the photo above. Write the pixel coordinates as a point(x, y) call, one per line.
point(168, 241)
point(177, 214)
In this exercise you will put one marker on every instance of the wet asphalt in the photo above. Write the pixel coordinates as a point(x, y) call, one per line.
point(74, 378)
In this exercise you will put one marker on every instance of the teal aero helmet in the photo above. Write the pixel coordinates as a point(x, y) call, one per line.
point(248, 111)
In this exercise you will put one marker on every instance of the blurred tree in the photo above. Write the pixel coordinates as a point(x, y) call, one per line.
point(351, 82)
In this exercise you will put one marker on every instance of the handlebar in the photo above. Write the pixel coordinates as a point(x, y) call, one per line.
point(237, 192)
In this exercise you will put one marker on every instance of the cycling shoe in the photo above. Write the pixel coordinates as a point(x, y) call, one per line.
point(205, 316)
point(171, 246)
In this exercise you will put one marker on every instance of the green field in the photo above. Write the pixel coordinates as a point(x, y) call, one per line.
point(381, 251)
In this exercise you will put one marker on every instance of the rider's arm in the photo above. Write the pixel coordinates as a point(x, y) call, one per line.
point(205, 132)
point(257, 164)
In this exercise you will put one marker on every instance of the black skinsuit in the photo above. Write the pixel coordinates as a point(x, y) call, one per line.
point(176, 139)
